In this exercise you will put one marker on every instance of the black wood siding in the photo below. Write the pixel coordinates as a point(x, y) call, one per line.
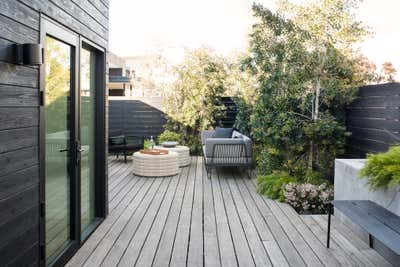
point(19, 116)
point(373, 119)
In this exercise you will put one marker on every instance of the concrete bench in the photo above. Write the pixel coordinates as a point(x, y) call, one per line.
point(377, 221)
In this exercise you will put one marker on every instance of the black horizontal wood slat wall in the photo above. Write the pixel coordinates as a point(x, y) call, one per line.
point(19, 116)
point(134, 117)
point(374, 119)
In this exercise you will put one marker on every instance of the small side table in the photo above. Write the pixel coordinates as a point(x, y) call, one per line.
point(183, 151)
point(155, 165)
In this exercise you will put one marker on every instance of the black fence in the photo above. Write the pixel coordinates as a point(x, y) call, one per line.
point(134, 117)
point(373, 119)
point(230, 111)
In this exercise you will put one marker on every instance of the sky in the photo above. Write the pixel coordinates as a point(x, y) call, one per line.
point(140, 27)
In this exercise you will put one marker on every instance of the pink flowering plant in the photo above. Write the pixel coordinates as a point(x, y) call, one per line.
point(307, 198)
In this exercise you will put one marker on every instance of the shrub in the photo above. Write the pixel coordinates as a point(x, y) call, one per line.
point(308, 198)
point(273, 185)
point(169, 136)
point(194, 102)
point(147, 144)
point(383, 170)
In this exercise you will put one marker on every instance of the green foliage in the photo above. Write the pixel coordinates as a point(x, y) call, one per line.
point(168, 136)
point(242, 122)
point(383, 170)
point(305, 79)
point(147, 144)
point(194, 104)
point(273, 185)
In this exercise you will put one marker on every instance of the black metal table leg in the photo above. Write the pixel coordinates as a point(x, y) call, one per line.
point(328, 237)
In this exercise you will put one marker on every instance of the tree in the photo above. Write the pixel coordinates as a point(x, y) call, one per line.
point(194, 104)
point(388, 73)
point(304, 59)
point(366, 70)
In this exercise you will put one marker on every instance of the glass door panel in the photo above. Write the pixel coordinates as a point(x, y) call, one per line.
point(87, 125)
point(58, 124)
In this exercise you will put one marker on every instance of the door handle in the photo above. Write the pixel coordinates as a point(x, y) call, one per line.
point(63, 150)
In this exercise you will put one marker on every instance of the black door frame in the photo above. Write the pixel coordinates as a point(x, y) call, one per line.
point(101, 200)
point(49, 27)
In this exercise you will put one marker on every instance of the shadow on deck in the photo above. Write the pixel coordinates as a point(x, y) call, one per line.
point(190, 220)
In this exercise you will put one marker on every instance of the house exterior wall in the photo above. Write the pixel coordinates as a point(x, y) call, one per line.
point(19, 116)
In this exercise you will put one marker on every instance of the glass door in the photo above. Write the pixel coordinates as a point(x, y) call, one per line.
point(59, 167)
point(87, 137)
point(72, 142)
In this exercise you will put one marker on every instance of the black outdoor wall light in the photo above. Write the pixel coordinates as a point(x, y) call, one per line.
point(22, 54)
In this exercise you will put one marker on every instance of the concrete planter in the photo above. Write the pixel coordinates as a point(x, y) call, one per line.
point(348, 186)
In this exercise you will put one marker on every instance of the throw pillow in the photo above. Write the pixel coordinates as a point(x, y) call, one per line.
point(223, 132)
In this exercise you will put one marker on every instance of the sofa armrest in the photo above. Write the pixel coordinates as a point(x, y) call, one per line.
point(206, 135)
point(211, 142)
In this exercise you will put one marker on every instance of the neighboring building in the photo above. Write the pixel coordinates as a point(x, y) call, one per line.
point(53, 173)
point(150, 74)
point(120, 81)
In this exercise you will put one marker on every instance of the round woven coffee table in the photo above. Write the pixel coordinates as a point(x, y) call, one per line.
point(155, 165)
point(183, 151)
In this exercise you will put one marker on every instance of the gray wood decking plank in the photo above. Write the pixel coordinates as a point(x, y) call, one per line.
point(190, 220)
point(335, 249)
point(117, 177)
point(119, 226)
point(317, 247)
point(301, 245)
point(149, 249)
point(166, 243)
point(227, 250)
point(257, 249)
point(111, 255)
point(292, 255)
point(271, 246)
point(136, 243)
point(117, 189)
point(97, 237)
point(179, 252)
point(242, 249)
point(123, 193)
point(195, 250)
point(211, 248)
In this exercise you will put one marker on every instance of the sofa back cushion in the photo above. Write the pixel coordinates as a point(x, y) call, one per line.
point(223, 132)
point(117, 140)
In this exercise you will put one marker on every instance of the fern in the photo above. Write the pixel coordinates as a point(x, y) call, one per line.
point(383, 170)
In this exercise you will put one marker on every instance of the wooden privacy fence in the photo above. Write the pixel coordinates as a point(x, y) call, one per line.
point(134, 117)
point(373, 119)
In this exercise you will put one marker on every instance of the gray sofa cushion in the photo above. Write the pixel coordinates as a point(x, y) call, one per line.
point(205, 135)
point(223, 132)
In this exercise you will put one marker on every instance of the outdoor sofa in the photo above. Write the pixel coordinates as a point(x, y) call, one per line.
point(225, 147)
point(124, 144)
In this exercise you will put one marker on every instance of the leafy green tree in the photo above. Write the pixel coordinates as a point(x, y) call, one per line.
point(194, 104)
point(304, 59)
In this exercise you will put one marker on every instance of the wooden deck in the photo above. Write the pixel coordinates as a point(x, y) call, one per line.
point(190, 220)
